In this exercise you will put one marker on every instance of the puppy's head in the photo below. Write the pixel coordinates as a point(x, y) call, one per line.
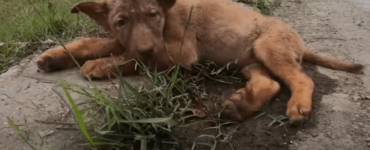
point(137, 24)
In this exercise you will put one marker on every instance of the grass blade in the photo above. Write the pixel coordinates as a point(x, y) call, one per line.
point(78, 115)
point(150, 120)
point(16, 128)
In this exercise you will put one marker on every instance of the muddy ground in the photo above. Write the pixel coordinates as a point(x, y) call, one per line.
point(341, 117)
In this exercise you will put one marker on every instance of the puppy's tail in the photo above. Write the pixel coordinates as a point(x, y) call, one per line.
point(331, 63)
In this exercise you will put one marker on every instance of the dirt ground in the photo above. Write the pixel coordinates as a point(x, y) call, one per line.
point(341, 117)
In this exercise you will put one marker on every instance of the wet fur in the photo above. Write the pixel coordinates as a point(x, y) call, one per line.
point(220, 31)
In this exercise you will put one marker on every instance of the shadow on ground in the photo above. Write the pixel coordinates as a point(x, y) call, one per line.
point(255, 133)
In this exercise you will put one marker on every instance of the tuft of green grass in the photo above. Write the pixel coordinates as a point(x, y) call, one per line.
point(137, 117)
point(140, 118)
point(23, 30)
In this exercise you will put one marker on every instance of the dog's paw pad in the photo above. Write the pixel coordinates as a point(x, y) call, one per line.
point(236, 107)
point(298, 113)
point(95, 69)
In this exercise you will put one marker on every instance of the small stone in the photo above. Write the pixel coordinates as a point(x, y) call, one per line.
point(368, 144)
point(6, 104)
point(361, 124)
point(358, 22)
point(355, 97)
point(367, 97)
point(368, 139)
point(46, 133)
point(285, 143)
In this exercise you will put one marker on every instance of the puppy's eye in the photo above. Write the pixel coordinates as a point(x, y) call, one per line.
point(120, 23)
point(153, 13)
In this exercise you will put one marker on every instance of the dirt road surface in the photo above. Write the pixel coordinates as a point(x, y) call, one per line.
point(341, 118)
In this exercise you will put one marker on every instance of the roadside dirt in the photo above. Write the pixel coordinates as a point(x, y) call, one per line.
point(341, 117)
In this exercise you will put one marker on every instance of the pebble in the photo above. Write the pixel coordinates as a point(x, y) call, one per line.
point(368, 139)
point(355, 98)
point(358, 22)
point(285, 143)
point(45, 133)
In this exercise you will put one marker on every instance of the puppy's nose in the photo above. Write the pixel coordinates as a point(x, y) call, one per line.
point(146, 51)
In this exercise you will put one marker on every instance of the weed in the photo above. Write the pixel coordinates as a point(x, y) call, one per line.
point(137, 115)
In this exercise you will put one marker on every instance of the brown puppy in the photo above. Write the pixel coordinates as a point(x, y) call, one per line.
point(219, 31)
point(258, 90)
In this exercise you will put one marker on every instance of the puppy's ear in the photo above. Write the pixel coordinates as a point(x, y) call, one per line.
point(98, 11)
point(167, 4)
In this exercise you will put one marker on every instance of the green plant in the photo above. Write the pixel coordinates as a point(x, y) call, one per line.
point(137, 114)
point(23, 28)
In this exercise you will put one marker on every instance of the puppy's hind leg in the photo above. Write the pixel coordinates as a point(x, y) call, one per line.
point(261, 87)
point(282, 59)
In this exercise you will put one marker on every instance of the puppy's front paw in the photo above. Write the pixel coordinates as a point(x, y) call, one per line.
point(298, 111)
point(55, 59)
point(236, 107)
point(97, 69)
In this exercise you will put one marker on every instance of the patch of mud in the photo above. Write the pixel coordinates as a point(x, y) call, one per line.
point(256, 133)
point(340, 118)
